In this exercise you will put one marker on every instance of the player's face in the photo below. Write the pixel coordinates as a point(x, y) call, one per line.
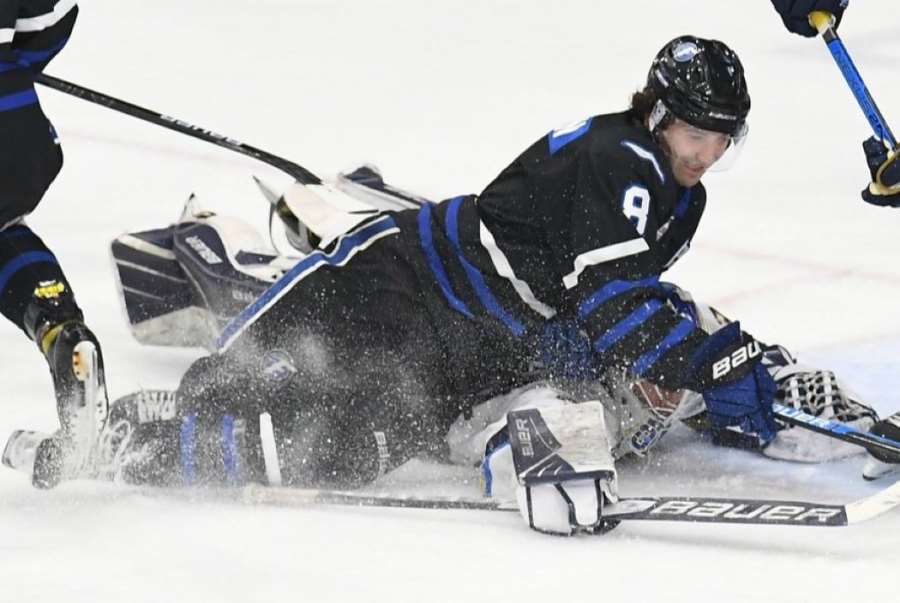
point(693, 150)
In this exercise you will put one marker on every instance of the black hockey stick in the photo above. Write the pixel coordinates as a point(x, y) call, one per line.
point(689, 509)
point(298, 172)
point(838, 430)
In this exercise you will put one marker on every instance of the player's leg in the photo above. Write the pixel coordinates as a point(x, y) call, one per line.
point(34, 293)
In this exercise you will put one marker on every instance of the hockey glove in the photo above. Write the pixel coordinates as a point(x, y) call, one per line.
point(795, 13)
point(563, 467)
point(565, 351)
point(822, 395)
point(884, 166)
point(736, 387)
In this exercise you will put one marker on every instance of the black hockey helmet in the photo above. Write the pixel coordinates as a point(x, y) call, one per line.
point(701, 82)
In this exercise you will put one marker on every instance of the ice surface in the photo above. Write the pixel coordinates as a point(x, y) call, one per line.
point(441, 95)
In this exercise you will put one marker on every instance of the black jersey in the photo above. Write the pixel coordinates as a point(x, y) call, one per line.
point(579, 227)
point(32, 32)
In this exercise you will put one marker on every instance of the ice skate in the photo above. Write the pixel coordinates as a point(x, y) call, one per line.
point(76, 365)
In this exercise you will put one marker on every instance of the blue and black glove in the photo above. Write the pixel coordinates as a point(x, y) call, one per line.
point(884, 190)
point(736, 387)
point(795, 13)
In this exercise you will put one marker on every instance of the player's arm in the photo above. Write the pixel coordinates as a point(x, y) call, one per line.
point(41, 28)
point(610, 268)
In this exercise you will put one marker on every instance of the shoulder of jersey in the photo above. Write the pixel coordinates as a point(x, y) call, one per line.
point(615, 138)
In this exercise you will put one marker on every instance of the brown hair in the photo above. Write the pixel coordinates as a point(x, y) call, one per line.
point(642, 103)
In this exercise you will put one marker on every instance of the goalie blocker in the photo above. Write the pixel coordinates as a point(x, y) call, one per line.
point(561, 461)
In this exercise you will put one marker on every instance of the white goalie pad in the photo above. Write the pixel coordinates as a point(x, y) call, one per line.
point(326, 210)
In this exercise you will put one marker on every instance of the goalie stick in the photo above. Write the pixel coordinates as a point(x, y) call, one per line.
point(837, 430)
point(683, 509)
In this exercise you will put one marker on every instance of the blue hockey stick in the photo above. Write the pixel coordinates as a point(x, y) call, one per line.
point(841, 431)
point(822, 21)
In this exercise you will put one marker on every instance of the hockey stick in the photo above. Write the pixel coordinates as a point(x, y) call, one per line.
point(685, 509)
point(888, 174)
point(823, 21)
point(299, 173)
point(837, 430)
point(310, 205)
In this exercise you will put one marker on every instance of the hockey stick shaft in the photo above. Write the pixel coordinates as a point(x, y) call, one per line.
point(823, 23)
point(836, 429)
point(298, 172)
point(683, 509)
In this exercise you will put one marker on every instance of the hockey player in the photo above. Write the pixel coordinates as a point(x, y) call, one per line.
point(367, 352)
point(36, 296)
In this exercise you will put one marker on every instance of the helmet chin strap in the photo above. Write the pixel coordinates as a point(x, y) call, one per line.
point(657, 116)
point(659, 119)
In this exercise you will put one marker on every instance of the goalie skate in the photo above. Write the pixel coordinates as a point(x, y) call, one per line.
point(880, 464)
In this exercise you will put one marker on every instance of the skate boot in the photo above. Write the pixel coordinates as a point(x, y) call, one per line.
point(879, 464)
point(76, 365)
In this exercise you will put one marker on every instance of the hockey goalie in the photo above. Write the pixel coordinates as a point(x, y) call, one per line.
point(524, 330)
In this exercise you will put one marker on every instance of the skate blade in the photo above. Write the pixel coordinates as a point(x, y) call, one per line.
point(84, 361)
point(88, 421)
point(84, 366)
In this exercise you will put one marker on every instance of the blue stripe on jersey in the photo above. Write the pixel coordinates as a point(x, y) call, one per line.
point(434, 261)
point(15, 231)
point(476, 279)
point(188, 446)
point(611, 290)
point(26, 58)
point(675, 336)
point(684, 202)
point(560, 138)
point(20, 261)
point(627, 325)
point(30, 57)
point(347, 245)
point(5, 66)
point(17, 100)
point(229, 448)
